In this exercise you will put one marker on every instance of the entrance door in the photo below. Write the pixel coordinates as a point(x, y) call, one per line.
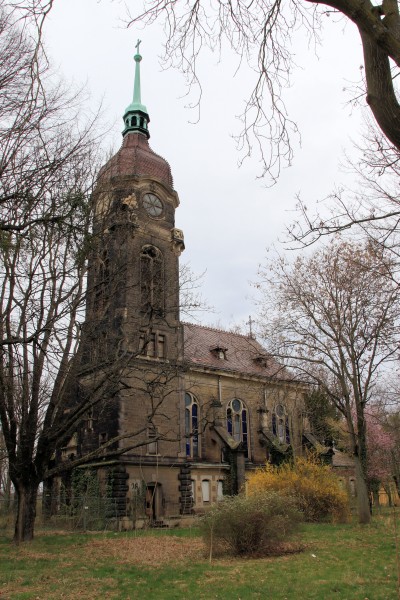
point(153, 501)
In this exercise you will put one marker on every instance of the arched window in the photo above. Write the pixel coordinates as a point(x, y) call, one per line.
point(152, 280)
point(237, 422)
point(101, 288)
point(280, 424)
point(192, 415)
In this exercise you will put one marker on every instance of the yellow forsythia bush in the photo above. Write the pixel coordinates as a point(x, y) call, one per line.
point(314, 486)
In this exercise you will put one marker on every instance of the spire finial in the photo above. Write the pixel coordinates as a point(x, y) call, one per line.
point(136, 117)
point(250, 324)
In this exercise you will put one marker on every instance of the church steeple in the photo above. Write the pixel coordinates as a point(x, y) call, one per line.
point(136, 117)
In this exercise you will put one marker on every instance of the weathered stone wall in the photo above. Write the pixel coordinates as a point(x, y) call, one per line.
point(214, 391)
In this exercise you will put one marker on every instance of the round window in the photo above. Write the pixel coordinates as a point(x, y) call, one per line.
point(236, 405)
point(153, 205)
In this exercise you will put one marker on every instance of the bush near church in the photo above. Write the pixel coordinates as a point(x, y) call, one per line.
point(254, 525)
point(314, 486)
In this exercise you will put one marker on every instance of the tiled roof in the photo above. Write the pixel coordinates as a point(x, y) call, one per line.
point(135, 157)
point(341, 459)
point(243, 354)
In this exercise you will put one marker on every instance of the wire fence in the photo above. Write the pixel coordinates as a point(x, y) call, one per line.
point(84, 513)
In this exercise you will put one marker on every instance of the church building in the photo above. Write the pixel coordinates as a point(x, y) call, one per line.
point(186, 410)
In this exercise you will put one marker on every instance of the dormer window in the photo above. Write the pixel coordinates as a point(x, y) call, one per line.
point(219, 352)
point(261, 360)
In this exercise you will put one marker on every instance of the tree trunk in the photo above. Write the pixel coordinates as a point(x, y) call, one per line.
point(363, 508)
point(381, 95)
point(26, 511)
point(375, 494)
point(388, 491)
point(7, 493)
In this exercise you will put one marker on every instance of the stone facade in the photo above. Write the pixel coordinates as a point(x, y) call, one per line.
point(185, 411)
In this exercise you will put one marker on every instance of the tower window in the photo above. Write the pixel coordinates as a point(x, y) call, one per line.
point(237, 423)
point(152, 280)
point(103, 438)
point(192, 414)
point(89, 419)
point(152, 444)
point(152, 344)
point(101, 290)
point(161, 345)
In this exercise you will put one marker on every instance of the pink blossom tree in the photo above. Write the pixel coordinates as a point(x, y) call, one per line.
point(381, 446)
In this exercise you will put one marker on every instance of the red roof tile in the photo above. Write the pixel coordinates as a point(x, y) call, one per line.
point(243, 354)
point(135, 157)
point(341, 459)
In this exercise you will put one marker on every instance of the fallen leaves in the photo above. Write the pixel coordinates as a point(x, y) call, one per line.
point(150, 551)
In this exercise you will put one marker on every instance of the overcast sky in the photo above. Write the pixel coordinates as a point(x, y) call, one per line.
point(229, 217)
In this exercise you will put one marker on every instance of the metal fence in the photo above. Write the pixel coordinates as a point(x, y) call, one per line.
point(85, 513)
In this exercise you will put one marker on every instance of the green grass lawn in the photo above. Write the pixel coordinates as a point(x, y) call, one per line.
point(345, 562)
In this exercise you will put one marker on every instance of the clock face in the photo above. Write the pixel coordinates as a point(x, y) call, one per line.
point(153, 205)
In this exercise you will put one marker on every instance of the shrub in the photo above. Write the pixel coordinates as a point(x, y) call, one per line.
point(314, 486)
point(253, 525)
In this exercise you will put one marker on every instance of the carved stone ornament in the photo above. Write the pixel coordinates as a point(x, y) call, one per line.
point(130, 201)
point(177, 234)
point(177, 239)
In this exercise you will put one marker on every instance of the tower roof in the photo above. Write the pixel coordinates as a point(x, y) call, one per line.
point(135, 157)
point(136, 117)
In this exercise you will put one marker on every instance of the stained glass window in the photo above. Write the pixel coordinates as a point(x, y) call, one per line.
point(192, 426)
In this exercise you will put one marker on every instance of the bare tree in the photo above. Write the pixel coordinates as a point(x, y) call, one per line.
point(260, 34)
point(371, 209)
point(47, 160)
point(333, 317)
point(39, 148)
point(5, 482)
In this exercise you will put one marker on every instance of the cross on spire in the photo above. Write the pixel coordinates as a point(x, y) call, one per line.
point(250, 324)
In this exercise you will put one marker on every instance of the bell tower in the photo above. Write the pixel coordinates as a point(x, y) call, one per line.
point(134, 275)
point(132, 342)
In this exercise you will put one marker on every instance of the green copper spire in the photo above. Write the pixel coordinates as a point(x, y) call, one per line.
point(136, 117)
